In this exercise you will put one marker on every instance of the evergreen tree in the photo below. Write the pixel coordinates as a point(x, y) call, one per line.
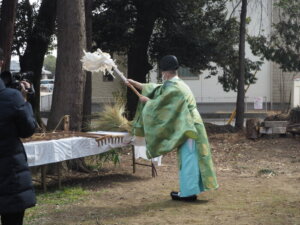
point(283, 46)
point(196, 31)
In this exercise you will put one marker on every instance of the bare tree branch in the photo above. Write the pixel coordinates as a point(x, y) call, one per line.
point(234, 8)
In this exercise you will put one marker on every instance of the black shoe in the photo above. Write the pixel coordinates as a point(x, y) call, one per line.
point(175, 196)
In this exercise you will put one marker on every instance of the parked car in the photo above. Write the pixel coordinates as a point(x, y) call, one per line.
point(47, 85)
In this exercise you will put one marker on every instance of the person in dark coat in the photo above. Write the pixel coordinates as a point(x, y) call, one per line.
point(16, 188)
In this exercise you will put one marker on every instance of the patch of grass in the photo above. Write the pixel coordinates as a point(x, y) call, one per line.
point(63, 196)
point(97, 162)
point(266, 172)
point(53, 200)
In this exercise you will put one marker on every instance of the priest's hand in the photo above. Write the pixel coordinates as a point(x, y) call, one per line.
point(134, 83)
point(144, 99)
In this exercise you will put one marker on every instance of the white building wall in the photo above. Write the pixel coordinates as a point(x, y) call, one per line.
point(104, 91)
point(296, 93)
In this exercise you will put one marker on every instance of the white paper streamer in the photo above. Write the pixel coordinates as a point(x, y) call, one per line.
point(100, 61)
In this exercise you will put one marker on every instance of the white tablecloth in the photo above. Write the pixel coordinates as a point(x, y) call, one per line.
point(52, 151)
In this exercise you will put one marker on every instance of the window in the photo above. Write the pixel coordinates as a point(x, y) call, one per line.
point(185, 73)
point(107, 77)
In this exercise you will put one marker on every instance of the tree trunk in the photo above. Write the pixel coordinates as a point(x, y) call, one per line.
point(37, 46)
point(295, 115)
point(87, 101)
point(138, 65)
point(70, 78)
point(7, 23)
point(252, 128)
point(240, 104)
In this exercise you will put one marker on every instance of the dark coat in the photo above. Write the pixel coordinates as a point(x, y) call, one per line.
point(16, 120)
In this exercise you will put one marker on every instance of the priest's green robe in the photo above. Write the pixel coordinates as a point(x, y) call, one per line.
point(168, 119)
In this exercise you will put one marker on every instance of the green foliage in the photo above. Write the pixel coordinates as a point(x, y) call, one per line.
point(111, 156)
point(283, 47)
point(25, 18)
point(97, 161)
point(50, 63)
point(266, 172)
point(195, 33)
point(113, 24)
point(203, 35)
point(229, 79)
point(198, 32)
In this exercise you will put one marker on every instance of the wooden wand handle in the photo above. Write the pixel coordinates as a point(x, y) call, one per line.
point(134, 90)
point(124, 79)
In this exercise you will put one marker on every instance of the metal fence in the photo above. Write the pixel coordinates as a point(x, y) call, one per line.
point(228, 104)
point(207, 104)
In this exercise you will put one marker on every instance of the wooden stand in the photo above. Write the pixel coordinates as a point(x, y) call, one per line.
point(58, 165)
point(134, 163)
point(43, 177)
point(273, 127)
point(66, 123)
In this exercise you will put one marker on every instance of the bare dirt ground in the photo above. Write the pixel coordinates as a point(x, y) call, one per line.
point(259, 185)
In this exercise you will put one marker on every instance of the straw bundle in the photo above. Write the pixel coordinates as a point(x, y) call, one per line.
point(112, 119)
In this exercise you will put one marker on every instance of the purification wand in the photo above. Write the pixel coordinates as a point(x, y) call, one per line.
point(101, 61)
